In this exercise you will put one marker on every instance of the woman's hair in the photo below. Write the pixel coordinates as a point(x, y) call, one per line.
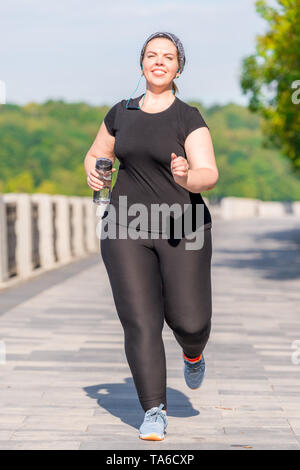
point(174, 86)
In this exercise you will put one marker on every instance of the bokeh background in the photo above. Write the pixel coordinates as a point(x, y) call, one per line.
point(64, 64)
point(65, 382)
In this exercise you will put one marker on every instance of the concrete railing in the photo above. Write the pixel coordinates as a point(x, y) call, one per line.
point(39, 232)
point(240, 208)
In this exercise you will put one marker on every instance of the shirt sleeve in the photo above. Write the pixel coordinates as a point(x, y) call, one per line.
point(110, 119)
point(193, 121)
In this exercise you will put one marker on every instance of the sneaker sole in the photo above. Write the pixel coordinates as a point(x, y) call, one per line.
point(151, 437)
point(197, 388)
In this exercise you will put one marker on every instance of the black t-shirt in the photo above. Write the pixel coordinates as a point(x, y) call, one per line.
point(143, 145)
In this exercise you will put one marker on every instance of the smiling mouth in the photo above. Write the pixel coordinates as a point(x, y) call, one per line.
point(158, 73)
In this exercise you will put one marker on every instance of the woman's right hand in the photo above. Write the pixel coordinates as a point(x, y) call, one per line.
point(93, 180)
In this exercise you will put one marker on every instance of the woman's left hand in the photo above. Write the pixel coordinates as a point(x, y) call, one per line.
point(179, 168)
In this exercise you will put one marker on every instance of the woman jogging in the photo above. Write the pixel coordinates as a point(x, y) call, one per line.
point(166, 158)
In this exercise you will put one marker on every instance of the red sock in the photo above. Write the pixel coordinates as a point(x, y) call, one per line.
point(194, 359)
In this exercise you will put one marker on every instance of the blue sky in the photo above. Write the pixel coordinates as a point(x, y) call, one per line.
point(89, 51)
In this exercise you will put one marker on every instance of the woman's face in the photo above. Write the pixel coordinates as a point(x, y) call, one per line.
point(160, 54)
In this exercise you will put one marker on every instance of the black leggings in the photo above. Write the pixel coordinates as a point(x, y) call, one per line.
point(153, 280)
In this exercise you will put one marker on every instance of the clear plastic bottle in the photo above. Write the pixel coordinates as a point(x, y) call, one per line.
point(104, 169)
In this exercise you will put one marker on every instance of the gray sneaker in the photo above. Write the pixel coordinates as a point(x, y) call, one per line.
point(194, 373)
point(154, 424)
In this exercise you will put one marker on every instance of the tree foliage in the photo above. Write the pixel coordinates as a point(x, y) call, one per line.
point(271, 75)
point(43, 146)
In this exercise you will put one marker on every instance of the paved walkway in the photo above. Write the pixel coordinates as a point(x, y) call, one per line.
point(66, 383)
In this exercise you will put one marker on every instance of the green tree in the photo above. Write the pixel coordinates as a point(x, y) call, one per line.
point(270, 75)
point(21, 183)
point(42, 149)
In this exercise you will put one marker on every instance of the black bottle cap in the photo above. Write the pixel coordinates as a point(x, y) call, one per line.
point(104, 164)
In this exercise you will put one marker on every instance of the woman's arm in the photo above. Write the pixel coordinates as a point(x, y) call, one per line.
point(103, 146)
point(199, 172)
point(203, 172)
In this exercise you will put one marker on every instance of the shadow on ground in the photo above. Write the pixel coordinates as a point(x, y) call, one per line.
point(280, 263)
point(120, 399)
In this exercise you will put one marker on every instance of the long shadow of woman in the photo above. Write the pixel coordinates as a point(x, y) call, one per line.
point(120, 399)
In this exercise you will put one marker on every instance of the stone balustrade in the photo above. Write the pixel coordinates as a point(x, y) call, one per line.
point(39, 232)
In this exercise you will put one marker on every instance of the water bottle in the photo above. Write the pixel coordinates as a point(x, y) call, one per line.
point(103, 167)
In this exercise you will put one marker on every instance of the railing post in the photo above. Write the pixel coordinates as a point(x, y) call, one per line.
point(92, 241)
point(63, 228)
point(23, 230)
point(45, 225)
point(78, 245)
point(3, 242)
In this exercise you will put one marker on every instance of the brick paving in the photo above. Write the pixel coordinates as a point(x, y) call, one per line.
point(66, 384)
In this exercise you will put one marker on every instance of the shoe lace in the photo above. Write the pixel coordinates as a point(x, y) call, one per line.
point(194, 367)
point(154, 413)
